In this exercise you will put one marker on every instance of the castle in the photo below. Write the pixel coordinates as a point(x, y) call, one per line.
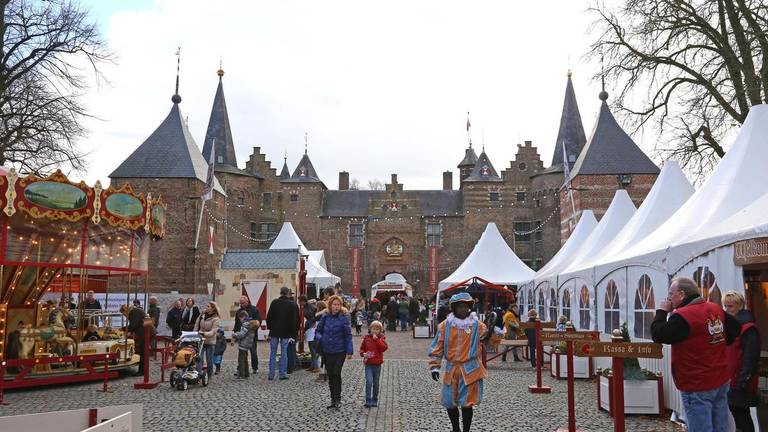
point(421, 234)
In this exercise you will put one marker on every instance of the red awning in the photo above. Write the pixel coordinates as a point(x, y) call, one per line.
point(477, 280)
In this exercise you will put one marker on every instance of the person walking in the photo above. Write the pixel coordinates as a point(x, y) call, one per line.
point(309, 309)
point(403, 310)
point(190, 315)
point(743, 361)
point(245, 340)
point(281, 321)
point(173, 319)
point(207, 326)
point(512, 331)
point(135, 327)
point(253, 314)
point(530, 334)
point(699, 333)
point(392, 314)
point(335, 335)
point(372, 351)
point(413, 311)
point(374, 311)
point(458, 343)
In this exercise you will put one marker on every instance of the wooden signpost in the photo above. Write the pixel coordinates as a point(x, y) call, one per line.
point(618, 350)
point(538, 388)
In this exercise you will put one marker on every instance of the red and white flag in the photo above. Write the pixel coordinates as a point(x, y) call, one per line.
point(210, 239)
point(468, 123)
point(210, 179)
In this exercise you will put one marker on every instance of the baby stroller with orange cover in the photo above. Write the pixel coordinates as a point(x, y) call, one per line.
point(186, 358)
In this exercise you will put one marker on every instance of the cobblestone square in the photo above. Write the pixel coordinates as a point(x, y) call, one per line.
point(408, 400)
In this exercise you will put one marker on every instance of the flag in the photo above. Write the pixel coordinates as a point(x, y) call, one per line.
point(468, 123)
point(209, 180)
point(566, 167)
point(210, 239)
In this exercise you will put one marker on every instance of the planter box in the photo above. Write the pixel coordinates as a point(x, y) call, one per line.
point(582, 366)
point(640, 397)
point(422, 332)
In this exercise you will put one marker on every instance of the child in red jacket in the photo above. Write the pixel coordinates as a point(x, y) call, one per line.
point(372, 351)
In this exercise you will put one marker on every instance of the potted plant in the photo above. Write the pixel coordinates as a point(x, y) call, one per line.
point(421, 330)
point(643, 389)
point(582, 366)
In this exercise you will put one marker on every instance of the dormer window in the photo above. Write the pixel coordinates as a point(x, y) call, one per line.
point(220, 159)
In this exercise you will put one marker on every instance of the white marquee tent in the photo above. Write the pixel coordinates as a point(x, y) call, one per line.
point(316, 272)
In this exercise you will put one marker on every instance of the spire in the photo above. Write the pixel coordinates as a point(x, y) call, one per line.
point(219, 132)
point(304, 172)
point(176, 98)
point(285, 173)
point(306, 142)
point(571, 132)
point(483, 170)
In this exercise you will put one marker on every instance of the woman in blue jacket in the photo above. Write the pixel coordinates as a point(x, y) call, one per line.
point(335, 336)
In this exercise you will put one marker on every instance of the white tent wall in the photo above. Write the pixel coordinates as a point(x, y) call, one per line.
point(646, 289)
point(568, 304)
point(715, 273)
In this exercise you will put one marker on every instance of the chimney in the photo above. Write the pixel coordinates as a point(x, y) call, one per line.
point(343, 180)
point(447, 180)
point(394, 179)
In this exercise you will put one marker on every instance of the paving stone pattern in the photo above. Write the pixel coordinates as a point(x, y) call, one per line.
point(408, 400)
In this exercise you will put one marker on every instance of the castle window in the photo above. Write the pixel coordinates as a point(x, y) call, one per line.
point(267, 231)
point(266, 199)
point(522, 166)
point(522, 232)
point(356, 235)
point(254, 231)
point(520, 196)
point(434, 231)
point(539, 235)
point(240, 201)
point(538, 203)
point(220, 159)
point(493, 196)
point(294, 197)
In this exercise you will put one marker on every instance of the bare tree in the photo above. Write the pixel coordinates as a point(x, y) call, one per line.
point(691, 67)
point(375, 185)
point(354, 184)
point(45, 51)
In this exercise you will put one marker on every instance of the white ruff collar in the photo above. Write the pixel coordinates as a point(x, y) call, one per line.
point(461, 324)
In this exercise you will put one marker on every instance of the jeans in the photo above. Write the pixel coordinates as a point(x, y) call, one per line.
point(707, 411)
point(532, 352)
point(315, 356)
point(333, 364)
point(273, 343)
point(372, 375)
point(207, 354)
point(403, 322)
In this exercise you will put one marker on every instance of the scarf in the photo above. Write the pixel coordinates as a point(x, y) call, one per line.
point(461, 324)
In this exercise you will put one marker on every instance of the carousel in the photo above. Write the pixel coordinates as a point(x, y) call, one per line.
point(59, 240)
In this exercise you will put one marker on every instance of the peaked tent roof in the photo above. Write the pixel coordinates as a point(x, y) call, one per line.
point(483, 170)
point(493, 260)
point(304, 172)
point(736, 183)
point(614, 219)
point(571, 131)
point(610, 150)
point(670, 191)
point(470, 158)
point(563, 257)
point(169, 152)
point(287, 238)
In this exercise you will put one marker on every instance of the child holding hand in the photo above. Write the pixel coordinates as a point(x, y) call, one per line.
point(372, 351)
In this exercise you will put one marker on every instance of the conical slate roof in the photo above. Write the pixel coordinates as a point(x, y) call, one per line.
point(285, 173)
point(304, 172)
point(219, 129)
point(470, 158)
point(483, 170)
point(610, 150)
point(169, 152)
point(571, 131)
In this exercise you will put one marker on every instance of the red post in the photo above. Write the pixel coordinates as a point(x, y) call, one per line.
point(2, 382)
point(571, 396)
point(660, 383)
point(106, 372)
point(618, 391)
point(146, 384)
point(302, 291)
point(92, 417)
point(538, 388)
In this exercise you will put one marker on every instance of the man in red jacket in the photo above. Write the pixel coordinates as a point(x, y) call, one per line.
point(372, 351)
point(698, 331)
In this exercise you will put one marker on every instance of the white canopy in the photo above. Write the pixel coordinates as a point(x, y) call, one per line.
point(316, 273)
point(319, 256)
point(737, 182)
point(564, 256)
point(493, 260)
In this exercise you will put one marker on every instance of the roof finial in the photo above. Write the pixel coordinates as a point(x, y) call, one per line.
point(220, 72)
point(285, 155)
point(569, 66)
point(469, 136)
point(176, 98)
point(603, 94)
point(483, 140)
point(306, 142)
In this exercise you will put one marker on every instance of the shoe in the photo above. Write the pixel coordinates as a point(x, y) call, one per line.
point(216, 373)
point(271, 378)
point(255, 370)
point(337, 405)
point(374, 405)
point(235, 373)
point(367, 405)
point(282, 378)
point(332, 405)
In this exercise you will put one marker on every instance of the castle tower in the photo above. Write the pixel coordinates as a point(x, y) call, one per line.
point(303, 194)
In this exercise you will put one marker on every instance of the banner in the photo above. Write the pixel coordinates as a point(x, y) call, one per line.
point(433, 266)
point(356, 268)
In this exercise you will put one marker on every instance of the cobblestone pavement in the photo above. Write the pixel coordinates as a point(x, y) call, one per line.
point(408, 400)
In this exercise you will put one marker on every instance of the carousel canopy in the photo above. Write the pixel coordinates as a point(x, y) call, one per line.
point(493, 260)
point(287, 238)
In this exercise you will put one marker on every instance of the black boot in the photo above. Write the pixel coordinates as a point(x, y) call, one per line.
point(453, 414)
point(466, 418)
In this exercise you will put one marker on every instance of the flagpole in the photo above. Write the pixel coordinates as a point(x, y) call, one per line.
point(199, 221)
point(210, 181)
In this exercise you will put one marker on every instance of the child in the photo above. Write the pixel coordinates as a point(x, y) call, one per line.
point(561, 323)
point(372, 351)
point(530, 333)
point(92, 334)
point(218, 350)
point(245, 337)
point(358, 321)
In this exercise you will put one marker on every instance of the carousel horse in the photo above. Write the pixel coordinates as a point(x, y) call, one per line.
point(55, 333)
point(27, 339)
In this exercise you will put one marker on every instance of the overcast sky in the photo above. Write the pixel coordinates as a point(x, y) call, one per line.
point(381, 87)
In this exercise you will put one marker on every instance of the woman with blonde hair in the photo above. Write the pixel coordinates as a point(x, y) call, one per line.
point(335, 335)
point(207, 326)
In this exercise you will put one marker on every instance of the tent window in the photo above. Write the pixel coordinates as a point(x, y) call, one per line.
point(644, 308)
point(434, 232)
point(552, 304)
point(705, 279)
point(611, 304)
point(529, 304)
point(584, 318)
point(539, 235)
point(541, 306)
point(567, 304)
point(356, 235)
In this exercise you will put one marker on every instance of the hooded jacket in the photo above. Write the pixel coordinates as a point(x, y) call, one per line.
point(334, 333)
point(375, 346)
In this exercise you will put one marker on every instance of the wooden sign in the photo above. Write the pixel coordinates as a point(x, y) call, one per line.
point(560, 336)
point(618, 349)
point(753, 251)
point(531, 324)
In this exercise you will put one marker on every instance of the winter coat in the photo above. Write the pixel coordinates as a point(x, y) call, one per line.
point(136, 324)
point(246, 335)
point(173, 318)
point(335, 333)
point(154, 313)
point(742, 392)
point(403, 308)
point(413, 309)
point(221, 343)
point(282, 318)
point(253, 313)
point(189, 317)
point(392, 310)
point(208, 326)
point(309, 315)
point(375, 346)
point(375, 306)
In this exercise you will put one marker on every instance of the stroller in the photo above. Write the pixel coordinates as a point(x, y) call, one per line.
point(186, 358)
